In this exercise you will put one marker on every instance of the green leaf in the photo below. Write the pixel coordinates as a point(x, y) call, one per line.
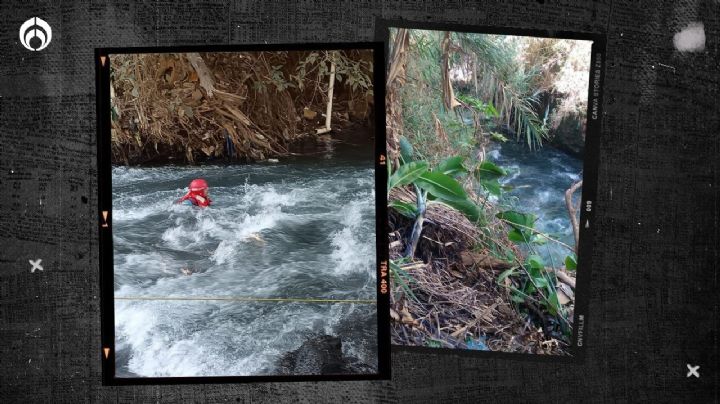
point(398, 274)
point(535, 261)
point(553, 304)
point(432, 343)
point(466, 207)
point(516, 236)
point(407, 173)
point(510, 255)
point(530, 288)
point(517, 218)
point(406, 150)
point(452, 166)
point(442, 186)
point(404, 208)
point(570, 263)
point(539, 239)
point(505, 274)
point(540, 282)
point(488, 170)
point(491, 111)
point(536, 266)
point(492, 186)
point(498, 137)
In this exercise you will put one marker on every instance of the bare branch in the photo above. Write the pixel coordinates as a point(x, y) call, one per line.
point(572, 210)
point(206, 80)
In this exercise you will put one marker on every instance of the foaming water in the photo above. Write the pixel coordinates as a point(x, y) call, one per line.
point(539, 180)
point(304, 230)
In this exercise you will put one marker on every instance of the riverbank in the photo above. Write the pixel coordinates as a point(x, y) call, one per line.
point(239, 106)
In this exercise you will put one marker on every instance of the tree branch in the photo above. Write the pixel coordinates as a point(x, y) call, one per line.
point(206, 79)
point(572, 211)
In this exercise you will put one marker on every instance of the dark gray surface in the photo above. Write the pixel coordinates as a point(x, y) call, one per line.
point(654, 304)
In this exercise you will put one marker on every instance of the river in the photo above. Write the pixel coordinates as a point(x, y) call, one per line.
point(302, 228)
point(539, 179)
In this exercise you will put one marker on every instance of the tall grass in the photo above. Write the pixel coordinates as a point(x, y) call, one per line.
point(422, 102)
point(508, 83)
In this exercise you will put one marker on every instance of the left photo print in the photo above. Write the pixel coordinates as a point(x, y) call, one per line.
point(239, 224)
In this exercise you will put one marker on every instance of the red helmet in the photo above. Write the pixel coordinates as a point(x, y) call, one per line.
point(198, 185)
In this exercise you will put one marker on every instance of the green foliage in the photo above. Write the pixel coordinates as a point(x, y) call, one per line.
point(506, 83)
point(507, 94)
point(441, 186)
point(278, 79)
point(488, 175)
point(488, 169)
point(570, 263)
point(521, 223)
point(471, 210)
point(421, 99)
point(507, 273)
point(452, 166)
point(407, 173)
point(537, 284)
point(406, 150)
point(498, 137)
point(353, 73)
point(438, 186)
point(486, 108)
point(356, 73)
point(404, 208)
point(402, 279)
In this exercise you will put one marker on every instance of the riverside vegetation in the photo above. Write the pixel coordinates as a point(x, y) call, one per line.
point(468, 263)
point(234, 106)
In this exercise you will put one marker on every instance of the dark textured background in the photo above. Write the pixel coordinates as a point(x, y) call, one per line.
point(654, 304)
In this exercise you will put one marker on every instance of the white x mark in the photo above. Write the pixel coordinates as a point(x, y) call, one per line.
point(693, 370)
point(36, 265)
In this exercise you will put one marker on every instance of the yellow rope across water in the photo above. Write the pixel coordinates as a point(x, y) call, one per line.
point(247, 299)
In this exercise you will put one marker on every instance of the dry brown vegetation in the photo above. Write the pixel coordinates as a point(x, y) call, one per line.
point(454, 291)
point(187, 107)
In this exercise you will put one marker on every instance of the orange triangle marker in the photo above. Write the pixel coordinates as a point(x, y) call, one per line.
point(105, 215)
point(107, 352)
point(102, 60)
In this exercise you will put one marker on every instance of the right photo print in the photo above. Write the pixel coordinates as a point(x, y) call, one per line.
point(487, 156)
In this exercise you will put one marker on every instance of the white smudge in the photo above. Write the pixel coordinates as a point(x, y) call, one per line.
point(691, 38)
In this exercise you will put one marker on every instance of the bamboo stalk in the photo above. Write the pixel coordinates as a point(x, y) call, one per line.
point(328, 110)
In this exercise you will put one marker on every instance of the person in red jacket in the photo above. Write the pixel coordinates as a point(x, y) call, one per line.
point(198, 194)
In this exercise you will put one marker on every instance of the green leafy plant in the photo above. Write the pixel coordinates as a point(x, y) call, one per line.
point(438, 186)
point(485, 108)
point(522, 225)
point(498, 137)
point(536, 284)
point(402, 278)
point(571, 262)
point(488, 175)
point(507, 84)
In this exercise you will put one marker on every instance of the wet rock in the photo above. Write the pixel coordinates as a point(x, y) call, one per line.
point(569, 135)
point(321, 355)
